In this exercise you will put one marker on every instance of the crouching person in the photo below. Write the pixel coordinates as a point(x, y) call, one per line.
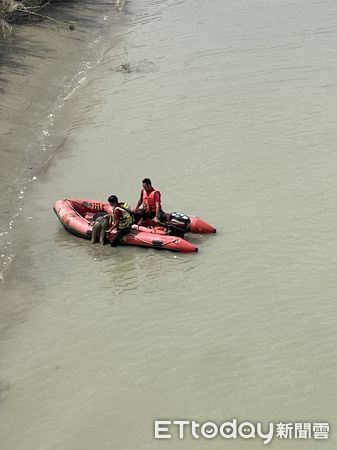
point(120, 219)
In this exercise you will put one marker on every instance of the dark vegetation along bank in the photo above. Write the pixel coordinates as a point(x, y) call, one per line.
point(16, 11)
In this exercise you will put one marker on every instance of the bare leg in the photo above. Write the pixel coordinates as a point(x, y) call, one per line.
point(96, 229)
point(104, 227)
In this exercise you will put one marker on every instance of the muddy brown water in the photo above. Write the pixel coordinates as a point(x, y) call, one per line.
point(230, 108)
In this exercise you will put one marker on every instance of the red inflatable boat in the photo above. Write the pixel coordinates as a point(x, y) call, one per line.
point(77, 217)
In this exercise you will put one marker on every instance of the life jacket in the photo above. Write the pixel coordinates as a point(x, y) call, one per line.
point(127, 219)
point(149, 201)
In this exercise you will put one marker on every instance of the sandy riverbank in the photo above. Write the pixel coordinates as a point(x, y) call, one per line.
point(39, 70)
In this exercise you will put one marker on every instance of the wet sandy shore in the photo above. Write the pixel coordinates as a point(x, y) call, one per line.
point(40, 68)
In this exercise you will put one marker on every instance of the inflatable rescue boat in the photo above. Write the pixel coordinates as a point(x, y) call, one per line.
point(77, 216)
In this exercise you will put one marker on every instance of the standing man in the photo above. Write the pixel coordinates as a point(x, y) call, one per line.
point(151, 200)
point(120, 218)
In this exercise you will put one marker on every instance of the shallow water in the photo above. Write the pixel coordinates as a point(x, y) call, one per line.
point(230, 109)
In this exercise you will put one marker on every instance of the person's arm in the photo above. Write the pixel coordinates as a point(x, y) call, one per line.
point(158, 207)
point(157, 211)
point(110, 217)
point(117, 217)
point(140, 201)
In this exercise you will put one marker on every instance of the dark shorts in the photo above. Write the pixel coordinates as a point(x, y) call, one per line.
point(119, 235)
point(142, 214)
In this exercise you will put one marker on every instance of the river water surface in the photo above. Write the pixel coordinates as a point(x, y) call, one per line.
point(230, 109)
